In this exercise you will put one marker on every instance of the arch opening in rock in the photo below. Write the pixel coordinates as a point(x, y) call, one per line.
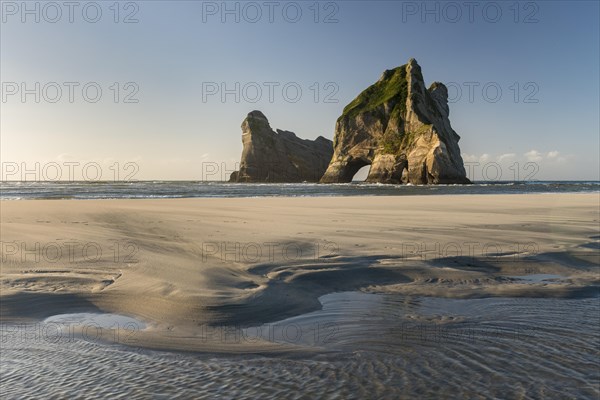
point(404, 179)
point(362, 174)
point(352, 167)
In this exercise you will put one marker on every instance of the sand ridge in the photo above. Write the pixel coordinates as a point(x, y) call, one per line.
point(181, 264)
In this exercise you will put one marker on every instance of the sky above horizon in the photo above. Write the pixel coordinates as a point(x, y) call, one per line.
point(156, 90)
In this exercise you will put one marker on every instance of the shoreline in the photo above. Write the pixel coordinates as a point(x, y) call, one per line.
point(190, 190)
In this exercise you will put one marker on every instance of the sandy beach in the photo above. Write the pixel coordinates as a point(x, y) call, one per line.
point(180, 265)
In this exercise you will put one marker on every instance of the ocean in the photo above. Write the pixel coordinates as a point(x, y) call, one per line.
point(18, 190)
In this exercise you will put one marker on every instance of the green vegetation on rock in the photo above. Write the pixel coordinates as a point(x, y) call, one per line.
point(391, 143)
point(394, 143)
point(392, 86)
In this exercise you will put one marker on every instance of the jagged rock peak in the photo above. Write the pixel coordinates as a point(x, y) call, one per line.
point(399, 128)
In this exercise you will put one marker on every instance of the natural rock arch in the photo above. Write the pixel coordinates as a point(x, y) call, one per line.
point(401, 129)
point(354, 165)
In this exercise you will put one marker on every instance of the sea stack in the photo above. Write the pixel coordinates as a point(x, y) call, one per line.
point(279, 156)
point(399, 128)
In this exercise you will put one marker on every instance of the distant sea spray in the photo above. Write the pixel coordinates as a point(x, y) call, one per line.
point(23, 190)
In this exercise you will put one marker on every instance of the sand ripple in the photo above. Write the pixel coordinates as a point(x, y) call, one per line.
point(384, 346)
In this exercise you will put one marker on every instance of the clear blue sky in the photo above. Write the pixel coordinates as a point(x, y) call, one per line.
point(549, 50)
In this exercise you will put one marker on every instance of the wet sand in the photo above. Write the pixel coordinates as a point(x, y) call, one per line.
point(181, 265)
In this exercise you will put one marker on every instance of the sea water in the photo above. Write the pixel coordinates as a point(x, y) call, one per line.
point(185, 189)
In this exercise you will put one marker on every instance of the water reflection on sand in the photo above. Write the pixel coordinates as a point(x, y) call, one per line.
point(372, 346)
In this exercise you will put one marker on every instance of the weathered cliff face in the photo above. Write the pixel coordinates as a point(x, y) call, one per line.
point(280, 156)
point(399, 128)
